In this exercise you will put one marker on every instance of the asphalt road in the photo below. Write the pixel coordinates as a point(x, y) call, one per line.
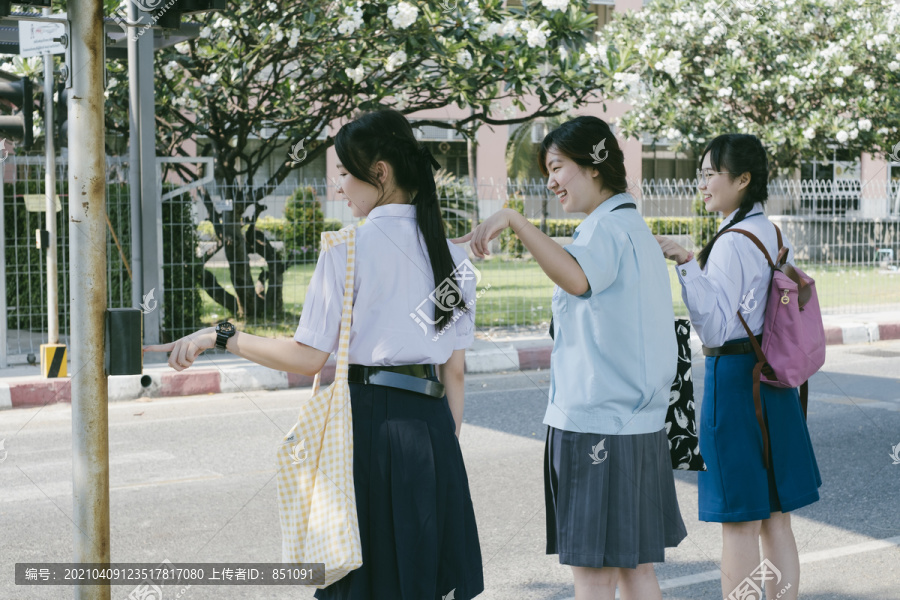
point(192, 481)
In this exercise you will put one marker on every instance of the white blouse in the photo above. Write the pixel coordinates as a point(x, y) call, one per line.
point(736, 275)
point(394, 296)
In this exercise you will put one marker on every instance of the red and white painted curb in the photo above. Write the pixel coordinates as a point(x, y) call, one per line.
point(38, 391)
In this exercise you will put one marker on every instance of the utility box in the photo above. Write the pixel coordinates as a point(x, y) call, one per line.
point(124, 338)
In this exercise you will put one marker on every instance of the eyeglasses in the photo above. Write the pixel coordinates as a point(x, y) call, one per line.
point(704, 175)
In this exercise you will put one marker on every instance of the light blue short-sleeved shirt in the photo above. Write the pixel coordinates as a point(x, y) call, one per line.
point(614, 352)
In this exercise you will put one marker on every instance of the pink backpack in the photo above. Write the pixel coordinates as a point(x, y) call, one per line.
point(793, 337)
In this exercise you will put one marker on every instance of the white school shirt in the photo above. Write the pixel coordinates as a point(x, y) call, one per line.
point(393, 296)
point(736, 275)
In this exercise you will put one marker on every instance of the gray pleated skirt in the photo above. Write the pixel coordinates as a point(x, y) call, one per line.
point(610, 498)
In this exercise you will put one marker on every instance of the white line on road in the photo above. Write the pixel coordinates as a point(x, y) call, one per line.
point(809, 557)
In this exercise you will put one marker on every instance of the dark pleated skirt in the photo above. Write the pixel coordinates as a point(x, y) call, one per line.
point(611, 504)
point(416, 521)
point(737, 486)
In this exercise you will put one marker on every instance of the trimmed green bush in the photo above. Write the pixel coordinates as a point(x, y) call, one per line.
point(509, 241)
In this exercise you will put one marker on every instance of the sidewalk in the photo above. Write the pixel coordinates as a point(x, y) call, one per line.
point(493, 351)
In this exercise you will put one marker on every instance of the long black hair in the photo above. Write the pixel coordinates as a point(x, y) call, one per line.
point(577, 139)
point(386, 135)
point(738, 153)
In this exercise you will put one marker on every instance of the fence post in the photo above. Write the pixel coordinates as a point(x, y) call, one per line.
point(3, 324)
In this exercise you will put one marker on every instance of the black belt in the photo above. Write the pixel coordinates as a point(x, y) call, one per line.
point(403, 377)
point(730, 349)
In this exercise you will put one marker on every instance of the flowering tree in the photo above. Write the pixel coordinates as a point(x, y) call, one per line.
point(287, 69)
point(802, 75)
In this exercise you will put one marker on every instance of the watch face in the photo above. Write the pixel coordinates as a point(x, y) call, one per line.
point(225, 327)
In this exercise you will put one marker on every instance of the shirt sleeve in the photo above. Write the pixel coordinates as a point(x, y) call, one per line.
point(713, 295)
point(598, 253)
point(320, 322)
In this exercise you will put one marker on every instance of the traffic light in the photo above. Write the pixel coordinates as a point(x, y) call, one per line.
point(17, 91)
point(61, 114)
point(170, 18)
point(5, 5)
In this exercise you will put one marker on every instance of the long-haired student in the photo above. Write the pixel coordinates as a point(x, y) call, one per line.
point(417, 524)
point(731, 274)
point(609, 488)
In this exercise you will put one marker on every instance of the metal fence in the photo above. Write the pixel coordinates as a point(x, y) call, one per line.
point(222, 261)
point(25, 283)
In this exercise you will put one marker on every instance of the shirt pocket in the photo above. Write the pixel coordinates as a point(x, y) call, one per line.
point(560, 302)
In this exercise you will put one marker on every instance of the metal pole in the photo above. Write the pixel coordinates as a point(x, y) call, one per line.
point(151, 207)
point(3, 323)
point(87, 247)
point(134, 161)
point(50, 185)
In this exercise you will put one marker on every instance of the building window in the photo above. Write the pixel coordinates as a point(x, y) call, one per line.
point(658, 162)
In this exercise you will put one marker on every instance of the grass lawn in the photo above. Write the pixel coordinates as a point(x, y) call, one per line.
point(520, 293)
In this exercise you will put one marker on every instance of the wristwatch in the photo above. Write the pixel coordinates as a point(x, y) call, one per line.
point(223, 332)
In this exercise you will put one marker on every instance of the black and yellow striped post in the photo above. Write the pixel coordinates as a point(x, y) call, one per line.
point(53, 360)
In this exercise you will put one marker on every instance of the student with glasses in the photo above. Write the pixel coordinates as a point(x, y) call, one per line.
point(751, 501)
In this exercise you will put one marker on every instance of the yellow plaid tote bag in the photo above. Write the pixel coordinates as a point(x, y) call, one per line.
point(316, 497)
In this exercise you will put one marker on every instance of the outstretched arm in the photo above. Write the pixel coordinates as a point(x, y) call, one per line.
point(283, 355)
point(560, 266)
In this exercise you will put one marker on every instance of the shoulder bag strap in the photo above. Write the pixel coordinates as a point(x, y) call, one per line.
point(330, 239)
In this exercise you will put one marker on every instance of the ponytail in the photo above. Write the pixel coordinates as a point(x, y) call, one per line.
point(431, 224)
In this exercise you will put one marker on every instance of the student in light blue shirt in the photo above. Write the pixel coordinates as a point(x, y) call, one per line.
point(608, 482)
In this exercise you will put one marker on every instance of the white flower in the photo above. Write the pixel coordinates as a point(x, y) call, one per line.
point(781, 58)
point(847, 70)
point(780, 99)
point(111, 83)
point(537, 36)
point(510, 111)
point(464, 59)
point(839, 81)
point(357, 74)
point(169, 69)
point(854, 133)
point(272, 6)
point(510, 27)
point(395, 60)
point(210, 79)
point(809, 133)
point(489, 32)
point(671, 64)
point(295, 37)
point(403, 15)
point(348, 26)
point(865, 124)
point(673, 134)
point(563, 53)
point(555, 4)
point(894, 65)
point(807, 27)
point(842, 136)
point(401, 100)
point(183, 47)
point(725, 91)
point(870, 84)
point(709, 72)
point(205, 32)
point(732, 44)
point(279, 34)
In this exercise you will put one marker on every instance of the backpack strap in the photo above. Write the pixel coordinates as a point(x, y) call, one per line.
point(759, 244)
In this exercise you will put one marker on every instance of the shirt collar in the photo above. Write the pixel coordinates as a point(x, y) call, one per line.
point(756, 210)
point(605, 207)
point(392, 210)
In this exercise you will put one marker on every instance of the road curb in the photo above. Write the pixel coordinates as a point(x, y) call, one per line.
point(158, 383)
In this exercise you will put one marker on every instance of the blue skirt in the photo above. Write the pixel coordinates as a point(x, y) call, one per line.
point(416, 521)
point(737, 486)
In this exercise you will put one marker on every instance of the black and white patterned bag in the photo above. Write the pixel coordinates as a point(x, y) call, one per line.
point(681, 420)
